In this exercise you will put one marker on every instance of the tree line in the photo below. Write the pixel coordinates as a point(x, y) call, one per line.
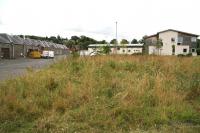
point(79, 42)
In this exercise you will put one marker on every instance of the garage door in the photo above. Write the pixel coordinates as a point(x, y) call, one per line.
point(5, 53)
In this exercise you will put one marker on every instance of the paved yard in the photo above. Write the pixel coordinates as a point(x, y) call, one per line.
point(13, 68)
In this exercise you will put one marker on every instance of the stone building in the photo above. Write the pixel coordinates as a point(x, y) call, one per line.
point(12, 46)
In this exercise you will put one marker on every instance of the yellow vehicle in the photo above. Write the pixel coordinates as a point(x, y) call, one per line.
point(35, 55)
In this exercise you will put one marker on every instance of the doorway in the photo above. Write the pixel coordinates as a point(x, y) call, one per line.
point(5, 53)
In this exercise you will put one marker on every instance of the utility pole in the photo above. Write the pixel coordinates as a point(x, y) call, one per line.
point(24, 37)
point(116, 39)
point(116, 32)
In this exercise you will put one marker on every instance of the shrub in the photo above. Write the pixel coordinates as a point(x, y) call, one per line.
point(138, 54)
point(181, 55)
point(189, 55)
point(198, 51)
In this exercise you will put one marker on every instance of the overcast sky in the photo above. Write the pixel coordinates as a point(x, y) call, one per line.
point(96, 18)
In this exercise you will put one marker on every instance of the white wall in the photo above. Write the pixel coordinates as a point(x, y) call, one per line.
point(90, 50)
point(84, 53)
point(179, 49)
point(129, 50)
point(122, 50)
point(167, 44)
point(152, 50)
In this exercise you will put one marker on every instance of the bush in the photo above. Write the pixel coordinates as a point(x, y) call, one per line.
point(198, 51)
point(181, 55)
point(189, 55)
point(137, 54)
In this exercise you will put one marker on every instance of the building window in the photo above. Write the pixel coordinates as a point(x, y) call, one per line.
point(172, 39)
point(180, 39)
point(193, 39)
point(178, 43)
point(129, 50)
point(123, 51)
point(118, 48)
point(184, 50)
point(193, 50)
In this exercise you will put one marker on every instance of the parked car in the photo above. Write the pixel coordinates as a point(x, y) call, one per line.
point(47, 54)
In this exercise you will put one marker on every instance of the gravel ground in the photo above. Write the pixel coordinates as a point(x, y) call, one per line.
point(12, 68)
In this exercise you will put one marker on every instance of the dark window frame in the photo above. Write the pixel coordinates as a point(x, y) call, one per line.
point(193, 50)
point(172, 39)
point(184, 50)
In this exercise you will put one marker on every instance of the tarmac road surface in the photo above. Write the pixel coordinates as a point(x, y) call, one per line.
point(12, 68)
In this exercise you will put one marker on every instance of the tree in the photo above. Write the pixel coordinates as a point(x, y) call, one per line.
point(113, 41)
point(106, 49)
point(134, 41)
point(53, 39)
point(84, 41)
point(142, 41)
point(75, 39)
point(103, 42)
point(59, 40)
point(198, 47)
point(70, 43)
point(173, 49)
point(159, 44)
point(198, 43)
point(124, 41)
point(22, 36)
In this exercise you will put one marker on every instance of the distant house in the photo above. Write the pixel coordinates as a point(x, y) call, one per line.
point(171, 42)
point(117, 49)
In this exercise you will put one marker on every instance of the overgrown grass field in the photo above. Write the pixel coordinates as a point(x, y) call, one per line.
point(105, 94)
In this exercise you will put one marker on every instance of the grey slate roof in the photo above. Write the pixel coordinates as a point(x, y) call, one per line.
point(17, 40)
point(14, 39)
point(5, 38)
point(27, 41)
point(34, 42)
point(46, 44)
point(40, 43)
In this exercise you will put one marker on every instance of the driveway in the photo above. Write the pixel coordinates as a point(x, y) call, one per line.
point(13, 68)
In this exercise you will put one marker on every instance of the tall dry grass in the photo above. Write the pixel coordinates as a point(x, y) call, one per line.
point(104, 94)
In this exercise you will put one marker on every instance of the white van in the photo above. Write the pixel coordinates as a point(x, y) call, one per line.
point(47, 54)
